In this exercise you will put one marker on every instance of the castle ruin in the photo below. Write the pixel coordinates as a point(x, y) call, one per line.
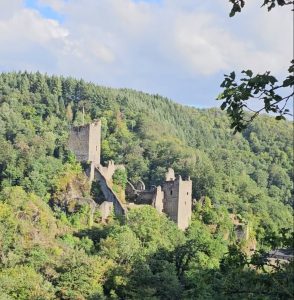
point(177, 202)
point(85, 142)
point(173, 197)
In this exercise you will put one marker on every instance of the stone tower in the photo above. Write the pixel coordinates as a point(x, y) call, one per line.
point(177, 202)
point(85, 142)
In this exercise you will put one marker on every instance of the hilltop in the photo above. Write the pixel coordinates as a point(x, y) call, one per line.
point(52, 242)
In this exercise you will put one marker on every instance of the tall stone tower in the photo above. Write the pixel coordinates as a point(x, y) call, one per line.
point(85, 142)
point(177, 202)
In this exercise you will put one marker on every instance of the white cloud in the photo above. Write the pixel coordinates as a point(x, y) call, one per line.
point(143, 45)
point(8, 8)
point(206, 48)
point(24, 36)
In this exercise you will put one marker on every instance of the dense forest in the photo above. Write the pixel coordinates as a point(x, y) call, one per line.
point(51, 249)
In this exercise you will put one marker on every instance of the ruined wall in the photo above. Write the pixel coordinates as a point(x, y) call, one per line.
point(131, 192)
point(109, 194)
point(79, 142)
point(95, 142)
point(139, 195)
point(145, 197)
point(109, 170)
point(177, 203)
point(157, 200)
point(170, 202)
point(140, 185)
point(184, 203)
point(170, 175)
point(174, 198)
point(106, 208)
point(85, 142)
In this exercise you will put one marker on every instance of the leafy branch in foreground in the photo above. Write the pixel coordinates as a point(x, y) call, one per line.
point(270, 4)
point(263, 87)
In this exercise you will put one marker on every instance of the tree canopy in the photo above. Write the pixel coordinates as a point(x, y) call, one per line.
point(54, 247)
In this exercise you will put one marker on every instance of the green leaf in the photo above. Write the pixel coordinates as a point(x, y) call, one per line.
point(289, 81)
point(223, 106)
point(248, 73)
point(223, 84)
point(220, 96)
point(280, 118)
point(272, 79)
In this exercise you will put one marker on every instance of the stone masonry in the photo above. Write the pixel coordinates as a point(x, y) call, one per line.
point(177, 201)
point(85, 142)
point(173, 197)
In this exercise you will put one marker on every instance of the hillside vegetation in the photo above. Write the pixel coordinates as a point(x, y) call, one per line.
point(51, 249)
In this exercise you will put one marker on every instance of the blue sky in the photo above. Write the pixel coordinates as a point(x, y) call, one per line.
point(45, 11)
point(179, 49)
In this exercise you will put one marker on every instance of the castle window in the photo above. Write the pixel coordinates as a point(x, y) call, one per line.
point(187, 193)
point(96, 148)
point(171, 192)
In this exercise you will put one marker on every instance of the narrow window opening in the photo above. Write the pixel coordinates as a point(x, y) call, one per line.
point(171, 192)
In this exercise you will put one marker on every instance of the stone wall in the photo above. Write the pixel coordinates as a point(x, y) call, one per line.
point(79, 142)
point(170, 202)
point(170, 175)
point(109, 194)
point(95, 142)
point(84, 141)
point(177, 203)
point(106, 208)
point(139, 195)
point(185, 203)
point(109, 169)
point(174, 198)
point(145, 197)
point(157, 200)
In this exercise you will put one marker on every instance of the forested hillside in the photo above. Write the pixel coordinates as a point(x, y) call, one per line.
point(49, 251)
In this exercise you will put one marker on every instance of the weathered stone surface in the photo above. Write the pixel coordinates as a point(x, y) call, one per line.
point(85, 142)
point(109, 194)
point(106, 208)
point(157, 200)
point(177, 203)
point(109, 169)
point(170, 175)
point(174, 197)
